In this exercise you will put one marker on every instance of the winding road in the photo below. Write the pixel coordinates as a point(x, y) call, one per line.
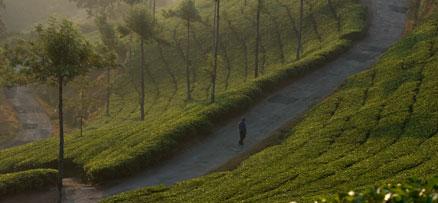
point(387, 18)
point(35, 123)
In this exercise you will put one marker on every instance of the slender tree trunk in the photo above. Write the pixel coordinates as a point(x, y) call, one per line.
point(215, 51)
point(300, 32)
point(335, 14)
point(256, 68)
point(168, 69)
point(189, 94)
point(61, 139)
point(142, 93)
point(241, 38)
point(81, 122)
point(108, 93)
point(154, 9)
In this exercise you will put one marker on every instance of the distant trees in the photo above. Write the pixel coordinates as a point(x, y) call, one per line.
point(6, 72)
point(59, 53)
point(110, 42)
point(96, 6)
point(140, 22)
point(189, 13)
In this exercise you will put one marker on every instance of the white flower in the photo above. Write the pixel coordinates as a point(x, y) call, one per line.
point(435, 197)
point(388, 197)
point(351, 193)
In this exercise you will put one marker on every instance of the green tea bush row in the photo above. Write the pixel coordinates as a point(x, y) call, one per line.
point(31, 180)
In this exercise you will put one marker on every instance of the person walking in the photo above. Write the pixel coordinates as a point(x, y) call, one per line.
point(242, 130)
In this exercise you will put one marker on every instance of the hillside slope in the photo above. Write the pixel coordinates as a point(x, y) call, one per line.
point(120, 145)
point(380, 126)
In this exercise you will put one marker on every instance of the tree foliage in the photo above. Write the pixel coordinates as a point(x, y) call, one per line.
point(58, 51)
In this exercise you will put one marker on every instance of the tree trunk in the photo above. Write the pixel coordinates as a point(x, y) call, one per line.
point(108, 93)
point(300, 32)
point(242, 39)
point(215, 51)
point(335, 14)
point(61, 140)
point(154, 9)
point(256, 68)
point(168, 69)
point(81, 116)
point(142, 93)
point(189, 94)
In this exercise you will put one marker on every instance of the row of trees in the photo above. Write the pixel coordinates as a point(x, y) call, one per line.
point(141, 22)
point(188, 12)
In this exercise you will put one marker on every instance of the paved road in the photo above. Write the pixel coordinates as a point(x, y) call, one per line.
point(34, 121)
point(387, 19)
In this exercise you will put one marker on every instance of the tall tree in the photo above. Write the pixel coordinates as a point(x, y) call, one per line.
point(110, 41)
point(258, 39)
point(215, 49)
point(293, 23)
point(140, 22)
point(300, 31)
point(59, 53)
point(189, 13)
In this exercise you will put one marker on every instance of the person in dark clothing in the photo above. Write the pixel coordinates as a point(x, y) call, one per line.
point(242, 130)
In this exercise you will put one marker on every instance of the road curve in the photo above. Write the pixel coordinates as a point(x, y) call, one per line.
point(387, 18)
point(35, 123)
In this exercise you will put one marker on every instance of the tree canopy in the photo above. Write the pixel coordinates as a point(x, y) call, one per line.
point(186, 11)
point(140, 21)
point(59, 50)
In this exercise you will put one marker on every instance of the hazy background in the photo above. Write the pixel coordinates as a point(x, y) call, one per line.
point(21, 15)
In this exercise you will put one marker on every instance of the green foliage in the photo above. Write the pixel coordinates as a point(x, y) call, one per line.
point(31, 180)
point(5, 70)
point(58, 52)
point(140, 21)
point(379, 127)
point(414, 190)
point(121, 146)
point(186, 11)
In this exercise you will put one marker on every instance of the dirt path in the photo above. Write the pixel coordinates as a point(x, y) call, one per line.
point(34, 121)
point(387, 19)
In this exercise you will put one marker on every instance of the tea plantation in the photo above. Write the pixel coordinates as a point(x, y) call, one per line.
point(380, 126)
point(121, 145)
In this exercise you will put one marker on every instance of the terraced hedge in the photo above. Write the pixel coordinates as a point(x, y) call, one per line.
point(37, 179)
point(380, 126)
point(119, 149)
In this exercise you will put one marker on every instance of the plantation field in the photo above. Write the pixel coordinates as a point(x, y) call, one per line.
point(380, 126)
point(120, 145)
